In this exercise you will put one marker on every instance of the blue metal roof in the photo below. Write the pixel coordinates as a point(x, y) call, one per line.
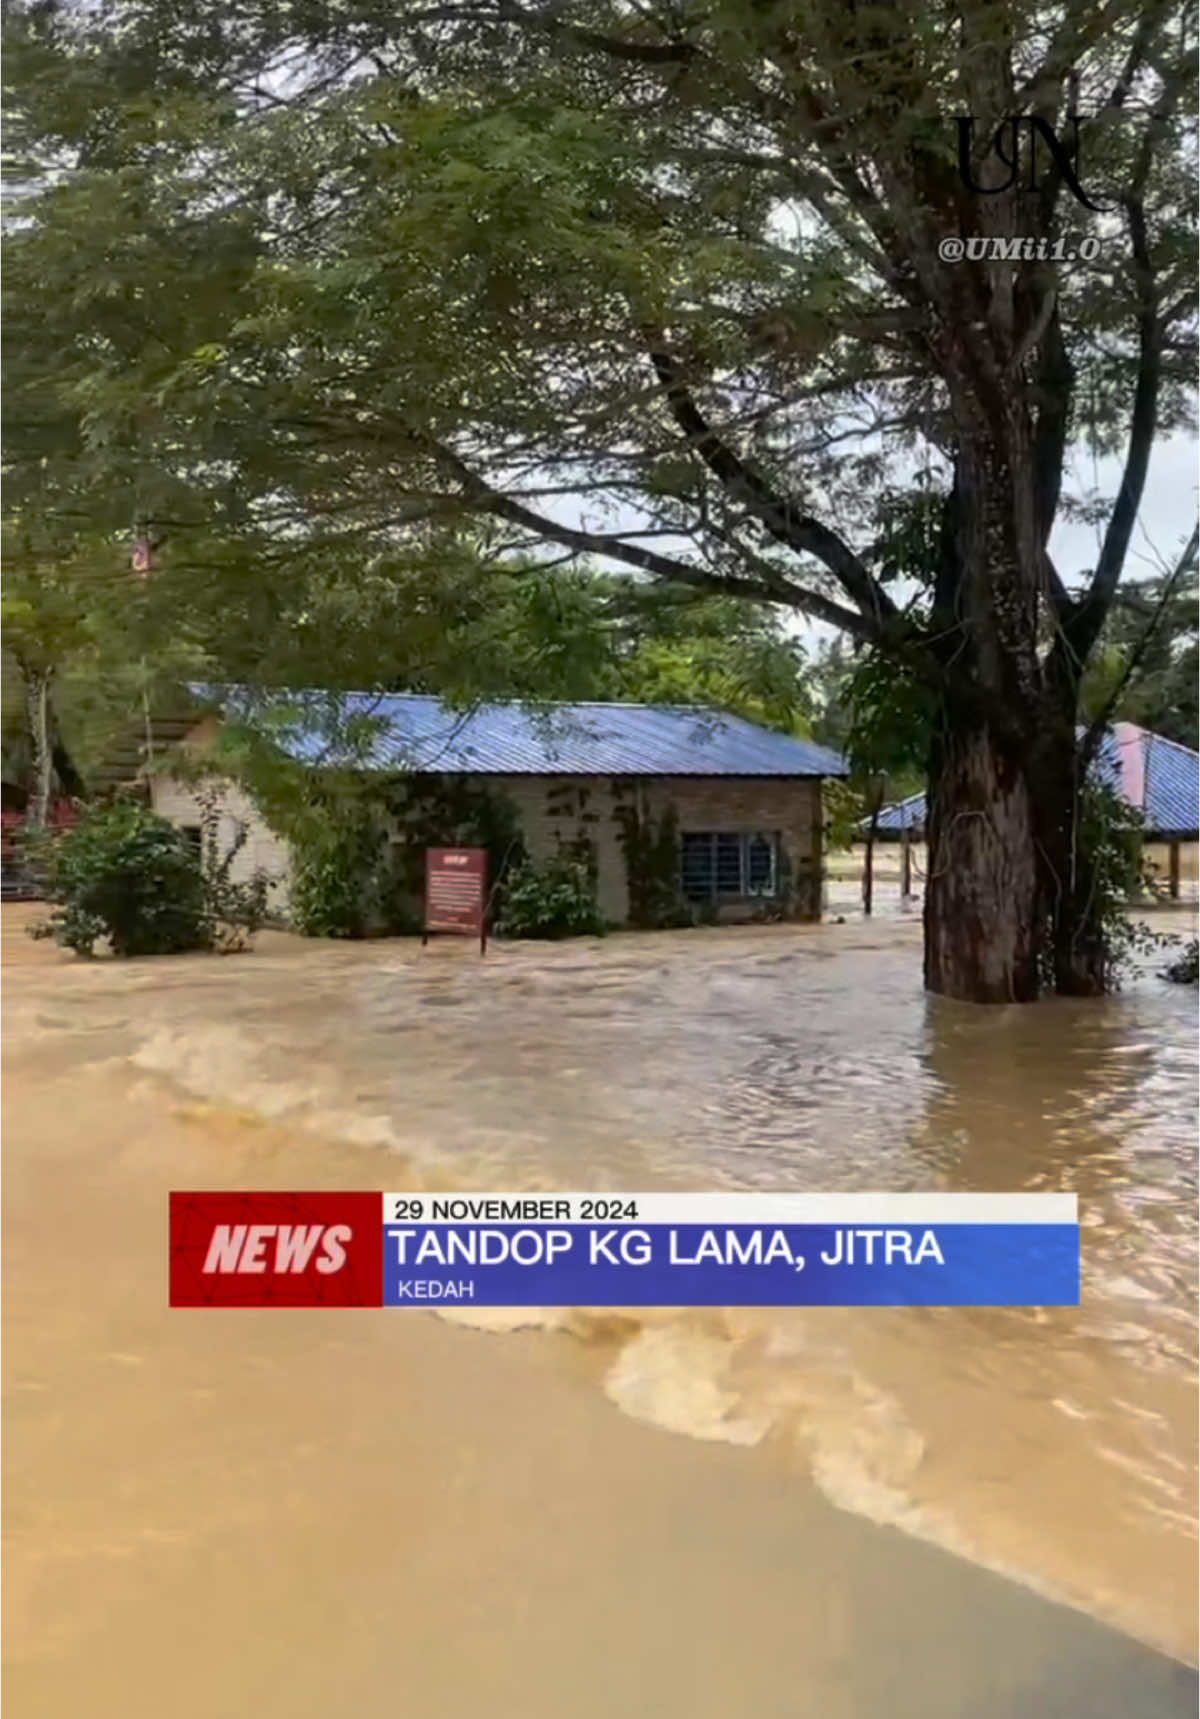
point(901, 815)
point(1167, 794)
point(412, 732)
point(1170, 790)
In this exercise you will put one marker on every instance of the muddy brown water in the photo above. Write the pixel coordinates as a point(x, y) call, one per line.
point(1055, 1446)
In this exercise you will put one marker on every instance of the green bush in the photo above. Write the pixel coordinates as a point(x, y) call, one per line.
point(1185, 969)
point(348, 882)
point(554, 899)
point(1110, 834)
point(127, 875)
point(359, 857)
point(652, 878)
point(336, 878)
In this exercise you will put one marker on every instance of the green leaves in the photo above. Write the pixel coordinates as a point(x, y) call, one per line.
point(132, 877)
point(129, 876)
point(322, 289)
point(555, 898)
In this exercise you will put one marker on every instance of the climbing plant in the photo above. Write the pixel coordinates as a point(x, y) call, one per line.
point(650, 848)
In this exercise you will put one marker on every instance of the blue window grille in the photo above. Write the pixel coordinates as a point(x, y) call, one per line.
point(718, 865)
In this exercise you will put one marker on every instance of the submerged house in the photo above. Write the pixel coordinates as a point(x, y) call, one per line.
point(1158, 777)
point(741, 803)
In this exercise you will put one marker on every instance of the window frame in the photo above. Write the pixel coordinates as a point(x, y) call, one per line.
point(712, 890)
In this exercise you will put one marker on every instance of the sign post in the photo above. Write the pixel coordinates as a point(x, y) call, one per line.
point(456, 893)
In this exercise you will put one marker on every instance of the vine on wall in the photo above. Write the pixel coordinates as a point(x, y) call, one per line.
point(651, 852)
point(358, 843)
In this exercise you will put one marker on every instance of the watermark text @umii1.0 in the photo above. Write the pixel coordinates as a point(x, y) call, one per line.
point(982, 248)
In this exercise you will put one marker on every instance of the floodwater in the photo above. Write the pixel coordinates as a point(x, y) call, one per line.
point(1056, 1446)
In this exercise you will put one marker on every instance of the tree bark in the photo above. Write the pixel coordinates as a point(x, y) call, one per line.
point(37, 694)
point(996, 763)
point(1072, 905)
point(981, 891)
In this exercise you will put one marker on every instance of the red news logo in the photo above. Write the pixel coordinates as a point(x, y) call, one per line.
point(275, 1249)
point(245, 1247)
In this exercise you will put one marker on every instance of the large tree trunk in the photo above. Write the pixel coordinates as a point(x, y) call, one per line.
point(1012, 903)
point(984, 896)
point(982, 888)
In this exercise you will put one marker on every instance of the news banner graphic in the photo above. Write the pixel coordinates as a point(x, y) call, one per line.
point(624, 1250)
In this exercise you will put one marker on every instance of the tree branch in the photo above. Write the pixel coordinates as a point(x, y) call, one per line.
point(796, 530)
point(1185, 563)
point(773, 589)
point(1078, 31)
point(1083, 627)
point(1054, 379)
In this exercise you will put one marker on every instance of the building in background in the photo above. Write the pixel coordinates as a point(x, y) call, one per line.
point(1158, 777)
point(744, 802)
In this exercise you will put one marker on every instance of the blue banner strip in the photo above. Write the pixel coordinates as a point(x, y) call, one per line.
point(736, 1265)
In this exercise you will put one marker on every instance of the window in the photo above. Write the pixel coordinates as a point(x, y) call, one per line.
point(717, 863)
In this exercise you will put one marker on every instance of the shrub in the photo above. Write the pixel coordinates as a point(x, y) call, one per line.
point(126, 874)
point(346, 882)
point(554, 899)
point(233, 911)
point(447, 812)
point(652, 876)
point(331, 882)
point(1109, 835)
point(359, 856)
point(1185, 969)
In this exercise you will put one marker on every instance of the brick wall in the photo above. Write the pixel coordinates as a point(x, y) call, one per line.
point(556, 809)
point(263, 851)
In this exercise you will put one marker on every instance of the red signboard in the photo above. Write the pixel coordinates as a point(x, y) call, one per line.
point(456, 892)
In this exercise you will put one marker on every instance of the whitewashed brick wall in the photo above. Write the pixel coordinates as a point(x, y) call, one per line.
point(556, 809)
point(263, 851)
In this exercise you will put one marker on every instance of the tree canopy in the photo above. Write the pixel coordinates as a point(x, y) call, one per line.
point(334, 272)
point(321, 283)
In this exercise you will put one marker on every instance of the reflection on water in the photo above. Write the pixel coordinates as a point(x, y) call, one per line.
point(1058, 1444)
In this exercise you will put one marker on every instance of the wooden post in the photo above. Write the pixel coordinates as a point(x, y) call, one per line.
point(1173, 885)
point(868, 889)
point(905, 865)
point(816, 857)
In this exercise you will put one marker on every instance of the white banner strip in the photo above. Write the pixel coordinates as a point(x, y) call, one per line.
point(731, 1208)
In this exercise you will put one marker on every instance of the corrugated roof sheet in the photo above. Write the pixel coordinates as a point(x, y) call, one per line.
point(411, 732)
point(901, 815)
point(1157, 775)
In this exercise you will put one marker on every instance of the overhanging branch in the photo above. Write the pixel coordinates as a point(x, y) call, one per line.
point(790, 526)
point(772, 588)
point(1185, 564)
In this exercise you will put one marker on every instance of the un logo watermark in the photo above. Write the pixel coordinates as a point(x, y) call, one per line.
point(1006, 144)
